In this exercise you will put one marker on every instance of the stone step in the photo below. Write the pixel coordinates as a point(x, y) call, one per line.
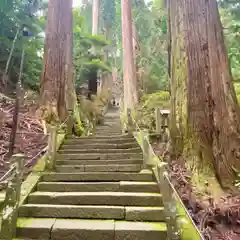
point(140, 230)
point(112, 124)
point(110, 134)
point(97, 177)
point(72, 229)
point(99, 162)
point(109, 124)
point(109, 128)
point(92, 212)
point(99, 156)
point(101, 146)
point(105, 151)
point(96, 198)
point(107, 132)
point(122, 186)
point(102, 137)
point(99, 168)
point(112, 116)
point(96, 139)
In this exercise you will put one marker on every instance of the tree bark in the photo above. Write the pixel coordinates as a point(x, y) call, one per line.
point(70, 80)
point(204, 123)
point(226, 111)
point(56, 66)
point(129, 70)
point(93, 76)
point(95, 16)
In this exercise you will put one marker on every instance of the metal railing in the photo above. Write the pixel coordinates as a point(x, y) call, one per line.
point(180, 225)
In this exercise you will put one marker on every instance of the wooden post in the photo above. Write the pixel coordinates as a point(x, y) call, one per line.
point(129, 121)
point(70, 122)
point(158, 120)
point(146, 150)
point(164, 124)
point(169, 203)
point(52, 149)
point(12, 198)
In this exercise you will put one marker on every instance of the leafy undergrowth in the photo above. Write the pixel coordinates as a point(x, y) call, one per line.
point(217, 219)
point(30, 139)
point(145, 111)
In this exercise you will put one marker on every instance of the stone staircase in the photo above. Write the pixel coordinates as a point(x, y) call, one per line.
point(98, 191)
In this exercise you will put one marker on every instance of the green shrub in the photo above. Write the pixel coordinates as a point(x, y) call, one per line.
point(92, 111)
point(237, 89)
point(145, 112)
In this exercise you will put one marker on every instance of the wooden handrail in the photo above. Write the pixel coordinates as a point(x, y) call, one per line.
point(11, 202)
point(70, 123)
point(9, 208)
point(52, 149)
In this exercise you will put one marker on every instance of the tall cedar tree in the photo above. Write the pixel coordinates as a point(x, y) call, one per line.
point(56, 81)
point(129, 69)
point(205, 118)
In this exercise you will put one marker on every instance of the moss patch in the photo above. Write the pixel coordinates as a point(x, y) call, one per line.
point(33, 178)
point(199, 163)
point(145, 111)
point(185, 224)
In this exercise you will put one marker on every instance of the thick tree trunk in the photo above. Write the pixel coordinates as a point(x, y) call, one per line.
point(204, 112)
point(93, 76)
point(129, 70)
point(95, 16)
point(56, 67)
point(226, 111)
point(136, 51)
point(70, 80)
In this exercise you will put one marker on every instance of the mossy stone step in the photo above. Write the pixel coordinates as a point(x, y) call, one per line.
point(97, 198)
point(99, 140)
point(99, 162)
point(99, 156)
point(146, 213)
point(99, 168)
point(101, 146)
point(107, 128)
point(72, 229)
point(106, 132)
point(95, 150)
point(122, 186)
point(92, 212)
point(35, 228)
point(72, 211)
point(97, 177)
point(140, 230)
point(103, 137)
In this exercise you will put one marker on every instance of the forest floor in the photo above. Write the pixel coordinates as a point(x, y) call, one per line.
point(30, 139)
point(217, 219)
